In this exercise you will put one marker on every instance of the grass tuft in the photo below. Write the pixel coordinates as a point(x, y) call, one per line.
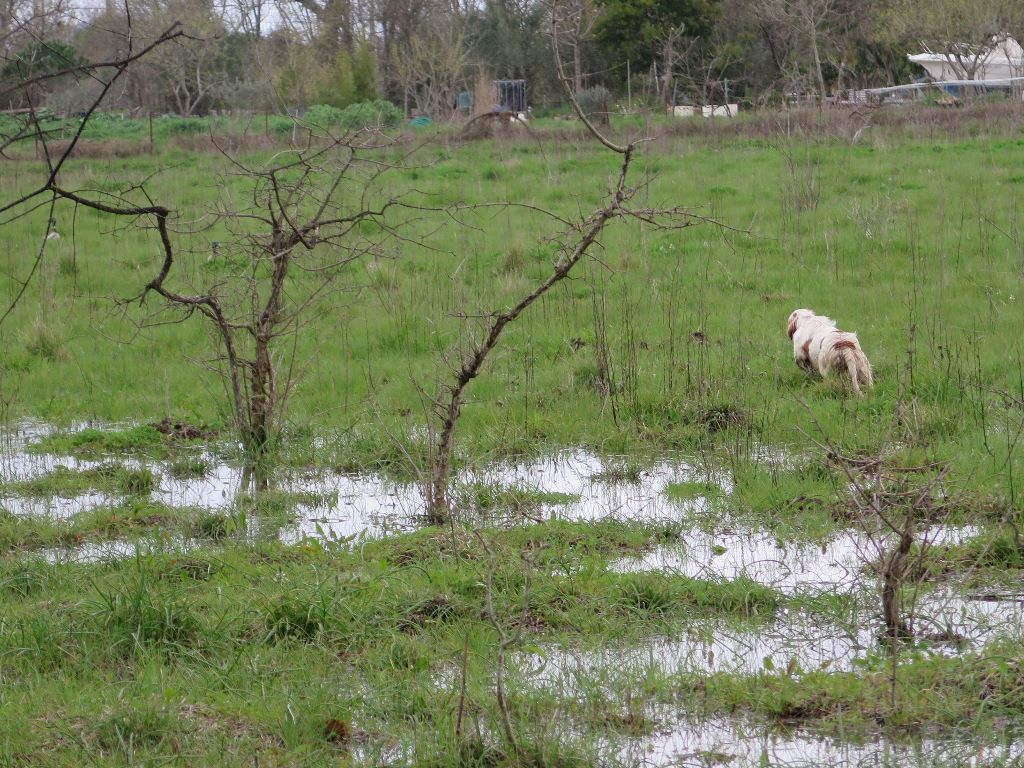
point(63, 482)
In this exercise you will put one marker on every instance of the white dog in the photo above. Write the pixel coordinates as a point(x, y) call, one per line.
point(819, 346)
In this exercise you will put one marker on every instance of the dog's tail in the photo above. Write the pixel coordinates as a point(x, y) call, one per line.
point(856, 364)
point(849, 356)
point(867, 377)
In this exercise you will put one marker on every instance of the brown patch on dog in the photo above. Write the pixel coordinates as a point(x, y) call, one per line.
point(807, 348)
point(791, 328)
point(845, 344)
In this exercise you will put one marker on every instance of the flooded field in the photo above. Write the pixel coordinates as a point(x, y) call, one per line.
point(367, 505)
point(798, 639)
point(728, 742)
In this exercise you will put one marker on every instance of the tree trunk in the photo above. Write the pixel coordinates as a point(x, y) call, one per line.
point(817, 62)
point(577, 68)
point(667, 62)
point(892, 581)
point(262, 379)
point(438, 510)
point(261, 399)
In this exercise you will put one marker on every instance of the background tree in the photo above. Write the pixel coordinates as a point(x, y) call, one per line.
point(711, 70)
point(812, 23)
point(647, 33)
point(248, 17)
point(49, 65)
point(574, 22)
point(509, 41)
point(351, 78)
point(332, 24)
point(192, 71)
point(294, 67)
point(432, 66)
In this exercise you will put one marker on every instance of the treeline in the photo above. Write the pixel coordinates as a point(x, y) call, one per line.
point(420, 54)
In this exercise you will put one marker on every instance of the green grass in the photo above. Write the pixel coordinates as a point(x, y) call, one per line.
point(189, 468)
point(132, 518)
point(490, 498)
point(93, 443)
point(66, 483)
point(171, 652)
point(688, 491)
point(246, 650)
point(873, 255)
point(194, 625)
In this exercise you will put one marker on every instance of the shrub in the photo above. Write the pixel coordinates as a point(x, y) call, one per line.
point(177, 126)
point(594, 100)
point(365, 114)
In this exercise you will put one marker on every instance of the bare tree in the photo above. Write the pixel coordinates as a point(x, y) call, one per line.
point(247, 16)
point(574, 22)
point(285, 248)
point(301, 220)
point(431, 66)
point(23, 22)
point(704, 69)
point(579, 237)
point(188, 68)
point(106, 74)
point(332, 23)
point(812, 22)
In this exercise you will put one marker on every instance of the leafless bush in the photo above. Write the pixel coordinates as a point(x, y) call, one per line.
point(302, 218)
point(579, 237)
point(896, 507)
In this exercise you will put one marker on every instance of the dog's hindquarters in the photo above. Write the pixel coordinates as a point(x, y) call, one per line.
point(819, 346)
point(847, 355)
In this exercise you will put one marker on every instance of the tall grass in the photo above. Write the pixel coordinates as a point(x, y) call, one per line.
point(910, 243)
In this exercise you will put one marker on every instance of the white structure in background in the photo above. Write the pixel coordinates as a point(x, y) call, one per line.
point(1001, 59)
point(962, 70)
point(708, 110)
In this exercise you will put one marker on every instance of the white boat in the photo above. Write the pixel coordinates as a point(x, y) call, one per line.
point(1001, 59)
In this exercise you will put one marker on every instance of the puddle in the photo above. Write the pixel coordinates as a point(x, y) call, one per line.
point(947, 620)
point(947, 623)
point(968, 619)
point(950, 620)
point(107, 551)
point(742, 745)
point(17, 466)
point(579, 473)
point(804, 641)
point(375, 506)
point(788, 567)
point(367, 506)
point(738, 743)
point(370, 505)
point(215, 490)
